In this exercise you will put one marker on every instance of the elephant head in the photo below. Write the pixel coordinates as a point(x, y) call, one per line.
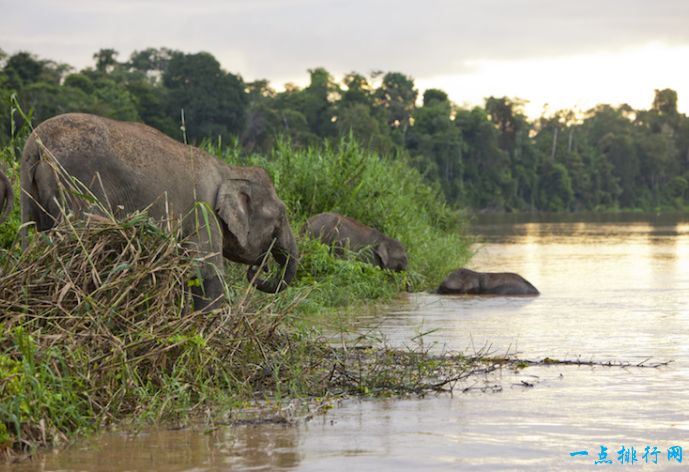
point(390, 254)
point(6, 197)
point(255, 224)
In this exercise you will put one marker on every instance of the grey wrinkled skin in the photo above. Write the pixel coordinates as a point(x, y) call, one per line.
point(344, 232)
point(6, 197)
point(465, 281)
point(130, 166)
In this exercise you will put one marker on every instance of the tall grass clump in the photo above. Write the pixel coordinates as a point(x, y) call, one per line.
point(381, 192)
point(97, 324)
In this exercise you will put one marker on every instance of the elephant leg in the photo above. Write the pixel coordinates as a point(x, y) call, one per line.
point(208, 295)
point(205, 244)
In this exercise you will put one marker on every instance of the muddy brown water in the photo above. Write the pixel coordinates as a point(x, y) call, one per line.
point(613, 288)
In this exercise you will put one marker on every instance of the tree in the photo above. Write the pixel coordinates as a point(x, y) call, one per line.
point(295, 127)
point(358, 120)
point(80, 81)
point(555, 187)
point(621, 152)
point(261, 128)
point(513, 138)
point(151, 62)
point(106, 60)
point(432, 96)
point(436, 143)
point(396, 97)
point(660, 157)
point(665, 102)
point(357, 91)
point(47, 100)
point(23, 69)
point(486, 175)
point(214, 101)
point(506, 114)
point(112, 99)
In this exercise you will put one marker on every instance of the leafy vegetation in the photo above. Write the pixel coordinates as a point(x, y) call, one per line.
point(488, 158)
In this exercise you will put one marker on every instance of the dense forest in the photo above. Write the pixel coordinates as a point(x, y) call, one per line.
point(487, 158)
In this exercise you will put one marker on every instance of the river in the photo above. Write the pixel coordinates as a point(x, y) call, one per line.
point(613, 288)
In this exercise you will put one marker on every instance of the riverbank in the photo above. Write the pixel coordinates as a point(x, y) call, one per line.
point(97, 325)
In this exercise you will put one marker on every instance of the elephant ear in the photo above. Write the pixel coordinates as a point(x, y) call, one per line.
point(380, 253)
point(232, 205)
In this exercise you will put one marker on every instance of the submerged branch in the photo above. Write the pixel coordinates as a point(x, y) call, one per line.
point(384, 371)
point(547, 361)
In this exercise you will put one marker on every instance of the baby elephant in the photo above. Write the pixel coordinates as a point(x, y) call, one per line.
point(344, 232)
point(465, 281)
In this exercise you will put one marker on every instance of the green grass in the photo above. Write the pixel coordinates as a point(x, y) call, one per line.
point(383, 193)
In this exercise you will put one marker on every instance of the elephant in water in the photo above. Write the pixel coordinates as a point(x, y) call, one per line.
point(130, 167)
point(465, 281)
point(344, 232)
point(6, 197)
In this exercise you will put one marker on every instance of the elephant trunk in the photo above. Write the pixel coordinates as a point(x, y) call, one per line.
point(6, 200)
point(285, 253)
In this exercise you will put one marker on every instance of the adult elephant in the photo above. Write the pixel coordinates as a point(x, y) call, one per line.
point(465, 281)
point(6, 197)
point(130, 166)
point(345, 232)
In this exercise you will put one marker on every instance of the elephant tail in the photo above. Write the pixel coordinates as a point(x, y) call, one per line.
point(39, 184)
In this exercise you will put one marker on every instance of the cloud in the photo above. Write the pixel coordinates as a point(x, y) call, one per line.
point(279, 40)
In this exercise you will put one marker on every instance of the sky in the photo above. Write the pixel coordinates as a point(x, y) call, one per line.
point(554, 54)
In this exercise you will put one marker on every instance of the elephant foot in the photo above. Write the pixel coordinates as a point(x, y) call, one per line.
point(209, 296)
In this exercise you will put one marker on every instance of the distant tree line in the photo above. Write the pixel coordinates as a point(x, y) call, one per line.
point(489, 158)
